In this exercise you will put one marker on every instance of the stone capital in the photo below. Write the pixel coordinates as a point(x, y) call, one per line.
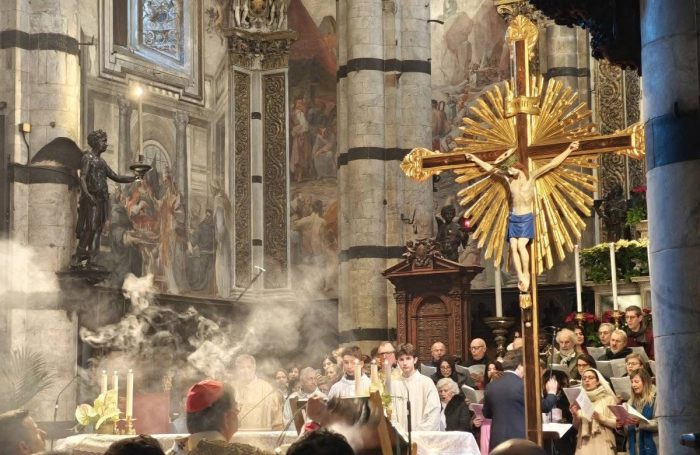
point(125, 105)
point(258, 50)
point(181, 119)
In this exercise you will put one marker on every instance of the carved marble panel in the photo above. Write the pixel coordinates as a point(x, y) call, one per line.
point(275, 217)
point(610, 108)
point(242, 211)
point(633, 98)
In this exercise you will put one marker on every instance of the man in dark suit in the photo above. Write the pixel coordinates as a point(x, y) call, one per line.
point(504, 401)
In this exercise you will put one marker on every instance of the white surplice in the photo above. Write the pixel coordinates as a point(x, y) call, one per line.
point(425, 403)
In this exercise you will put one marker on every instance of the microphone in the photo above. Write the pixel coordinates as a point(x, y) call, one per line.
point(260, 272)
point(241, 419)
point(408, 415)
point(280, 438)
point(552, 327)
point(58, 397)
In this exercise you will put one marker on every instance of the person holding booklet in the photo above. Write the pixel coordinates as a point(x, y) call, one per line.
point(642, 434)
point(592, 418)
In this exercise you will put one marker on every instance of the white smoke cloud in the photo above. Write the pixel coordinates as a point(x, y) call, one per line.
point(20, 271)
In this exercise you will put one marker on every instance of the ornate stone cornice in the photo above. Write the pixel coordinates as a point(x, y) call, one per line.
point(259, 50)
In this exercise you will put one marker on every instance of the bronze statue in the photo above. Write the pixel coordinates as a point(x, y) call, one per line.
point(450, 235)
point(612, 209)
point(93, 207)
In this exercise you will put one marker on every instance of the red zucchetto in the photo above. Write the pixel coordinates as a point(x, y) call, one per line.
point(203, 394)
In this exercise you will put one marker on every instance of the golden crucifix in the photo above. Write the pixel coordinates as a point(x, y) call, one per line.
point(523, 158)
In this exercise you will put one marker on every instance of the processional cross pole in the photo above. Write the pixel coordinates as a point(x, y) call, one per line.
point(523, 156)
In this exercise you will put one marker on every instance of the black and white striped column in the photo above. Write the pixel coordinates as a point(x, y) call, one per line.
point(384, 111)
point(671, 89)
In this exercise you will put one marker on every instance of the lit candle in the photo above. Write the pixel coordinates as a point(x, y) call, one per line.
point(387, 377)
point(613, 272)
point(358, 378)
point(577, 263)
point(103, 382)
point(115, 385)
point(499, 297)
point(373, 372)
point(130, 393)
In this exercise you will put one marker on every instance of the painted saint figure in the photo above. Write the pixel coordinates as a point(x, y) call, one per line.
point(93, 207)
point(521, 220)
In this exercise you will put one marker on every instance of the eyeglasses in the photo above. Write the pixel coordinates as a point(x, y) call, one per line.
point(386, 353)
point(475, 348)
point(581, 365)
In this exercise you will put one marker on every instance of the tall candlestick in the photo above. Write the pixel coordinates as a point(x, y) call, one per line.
point(613, 273)
point(577, 264)
point(115, 385)
point(358, 379)
point(499, 297)
point(130, 393)
point(103, 382)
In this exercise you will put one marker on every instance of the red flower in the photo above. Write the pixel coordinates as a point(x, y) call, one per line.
point(639, 189)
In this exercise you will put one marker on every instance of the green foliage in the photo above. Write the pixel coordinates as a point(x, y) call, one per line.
point(103, 411)
point(630, 258)
point(635, 215)
point(23, 375)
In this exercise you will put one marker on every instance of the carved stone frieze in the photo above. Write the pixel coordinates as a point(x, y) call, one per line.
point(242, 216)
point(275, 216)
point(255, 50)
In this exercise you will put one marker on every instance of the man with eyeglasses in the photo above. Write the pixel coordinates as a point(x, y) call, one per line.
point(387, 353)
point(477, 356)
point(604, 331)
point(639, 331)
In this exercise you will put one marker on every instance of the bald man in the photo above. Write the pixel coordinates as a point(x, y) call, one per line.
point(437, 352)
point(477, 356)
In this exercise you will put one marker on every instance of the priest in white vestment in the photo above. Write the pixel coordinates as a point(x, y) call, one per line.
point(261, 407)
point(419, 390)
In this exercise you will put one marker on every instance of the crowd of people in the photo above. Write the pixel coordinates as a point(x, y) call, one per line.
point(214, 410)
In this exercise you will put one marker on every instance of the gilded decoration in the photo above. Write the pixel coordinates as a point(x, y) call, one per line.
point(563, 193)
point(241, 131)
point(275, 217)
point(255, 50)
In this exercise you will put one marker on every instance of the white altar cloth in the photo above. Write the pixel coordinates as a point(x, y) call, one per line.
point(429, 442)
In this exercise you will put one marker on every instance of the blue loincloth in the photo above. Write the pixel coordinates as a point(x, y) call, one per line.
point(521, 226)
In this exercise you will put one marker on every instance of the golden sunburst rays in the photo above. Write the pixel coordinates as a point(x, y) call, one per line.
point(562, 116)
point(490, 129)
point(563, 195)
point(486, 199)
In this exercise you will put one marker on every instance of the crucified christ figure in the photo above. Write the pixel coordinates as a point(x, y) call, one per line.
point(521, 221)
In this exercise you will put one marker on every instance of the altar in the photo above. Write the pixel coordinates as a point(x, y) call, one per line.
point(428, 442)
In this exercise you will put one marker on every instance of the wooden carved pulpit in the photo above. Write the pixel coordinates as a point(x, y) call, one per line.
point(432, 299)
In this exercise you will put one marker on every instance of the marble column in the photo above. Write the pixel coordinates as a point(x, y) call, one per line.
point(181, 180)
point(671, 81)
point(384, 111)
point(125, 156)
